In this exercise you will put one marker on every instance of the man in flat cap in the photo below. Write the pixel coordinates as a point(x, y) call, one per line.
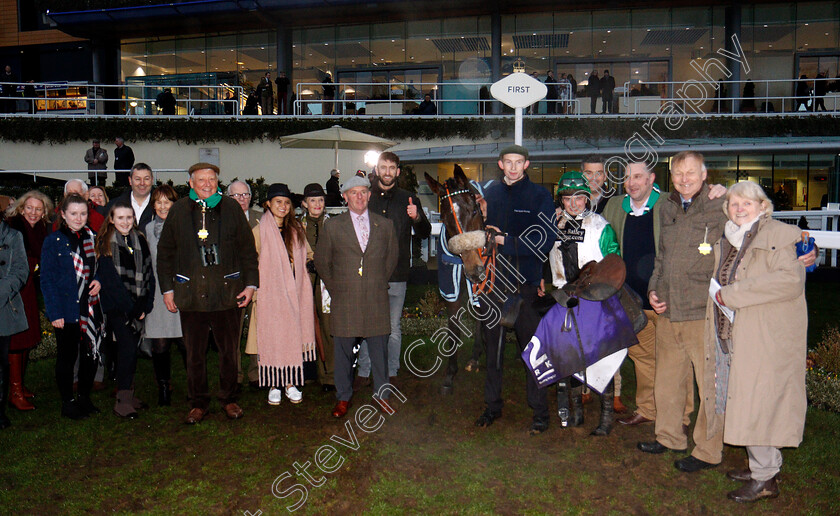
point(356, 255)
point(514, 205)
point(207, 269)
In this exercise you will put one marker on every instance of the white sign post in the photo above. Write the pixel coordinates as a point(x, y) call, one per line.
point(518, 90)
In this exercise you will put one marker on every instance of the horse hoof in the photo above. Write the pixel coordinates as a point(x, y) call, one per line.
point(447, 389)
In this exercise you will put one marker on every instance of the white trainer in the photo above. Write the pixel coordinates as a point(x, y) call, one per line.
point(274, 396)
point(294, 395)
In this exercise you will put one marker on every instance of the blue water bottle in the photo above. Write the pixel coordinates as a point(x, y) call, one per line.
point(805, 246)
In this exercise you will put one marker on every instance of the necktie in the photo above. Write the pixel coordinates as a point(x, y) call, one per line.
point(686, 204)
point(363, 231)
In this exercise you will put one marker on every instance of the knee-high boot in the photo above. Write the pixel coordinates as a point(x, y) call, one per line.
point(16, 397)
point(607, 410)
point(576, 392)
point(163, 368)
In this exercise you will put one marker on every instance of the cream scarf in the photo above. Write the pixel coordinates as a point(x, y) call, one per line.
point(735, 234)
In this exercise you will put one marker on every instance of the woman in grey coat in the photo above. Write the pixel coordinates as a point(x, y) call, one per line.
point(162, 326)
point(14, 269)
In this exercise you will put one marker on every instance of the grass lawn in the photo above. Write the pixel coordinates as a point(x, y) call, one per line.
point(428, 458)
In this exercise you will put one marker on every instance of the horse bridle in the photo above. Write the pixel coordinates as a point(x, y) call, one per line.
point(486, 253)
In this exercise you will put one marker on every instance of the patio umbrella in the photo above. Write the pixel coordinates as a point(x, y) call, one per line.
point(336, 137)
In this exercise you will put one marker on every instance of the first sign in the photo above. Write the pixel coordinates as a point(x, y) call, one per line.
point(518, 90)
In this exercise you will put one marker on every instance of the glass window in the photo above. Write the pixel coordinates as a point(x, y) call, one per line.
point(578, 25)
point(722, 170)
point(758, 169)
point(790, 181)
point(819, 169)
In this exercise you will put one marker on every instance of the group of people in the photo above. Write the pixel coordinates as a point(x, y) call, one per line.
point(96, 159)
point(674, 247)
point(173, 271)
point(562, 91)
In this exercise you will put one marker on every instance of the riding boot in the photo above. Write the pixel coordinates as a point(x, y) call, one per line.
point(16, 397)
point(607, 411)
point(4, 387)
point(576, 418)
point(563, 402)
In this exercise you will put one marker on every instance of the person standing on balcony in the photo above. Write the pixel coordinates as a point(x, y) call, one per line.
point(607, 88)
point(283, 84)
point(820, 89)
point(123, 160)
point(593, 89)
point(265, 91)
point(427, 107)
point(329, 94)
point(97, 159)
point(802, 92)
point(551, 96)
point(166, 102)
point(9, 90)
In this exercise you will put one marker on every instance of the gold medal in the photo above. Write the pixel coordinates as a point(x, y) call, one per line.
point(203, 234)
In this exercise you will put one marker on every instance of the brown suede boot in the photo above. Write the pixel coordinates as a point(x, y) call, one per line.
point(124, 406)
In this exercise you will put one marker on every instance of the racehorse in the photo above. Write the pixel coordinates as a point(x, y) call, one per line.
point(463, 236)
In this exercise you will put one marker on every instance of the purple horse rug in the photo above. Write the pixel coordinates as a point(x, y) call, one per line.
point(568, 340)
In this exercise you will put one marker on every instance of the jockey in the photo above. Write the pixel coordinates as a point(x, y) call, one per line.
point(582, 236)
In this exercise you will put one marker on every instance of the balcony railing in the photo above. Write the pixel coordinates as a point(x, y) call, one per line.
point(776, 97)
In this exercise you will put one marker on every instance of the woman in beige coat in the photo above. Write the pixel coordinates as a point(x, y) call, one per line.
point(759, 382)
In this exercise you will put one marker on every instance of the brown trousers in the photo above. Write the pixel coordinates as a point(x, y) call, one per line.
point(643, 356)
point(196, 327)
point(679, 349)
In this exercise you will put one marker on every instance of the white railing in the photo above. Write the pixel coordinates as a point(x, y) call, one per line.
point(822, 225)
point(770, 96)
point(81, 98)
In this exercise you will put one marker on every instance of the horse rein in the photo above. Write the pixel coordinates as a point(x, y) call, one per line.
point(486, 253)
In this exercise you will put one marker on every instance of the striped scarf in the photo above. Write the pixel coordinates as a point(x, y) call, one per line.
point(91, 320)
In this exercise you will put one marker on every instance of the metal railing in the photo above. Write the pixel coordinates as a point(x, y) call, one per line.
point(85, 99)
point(397, 99)
point(770, 96)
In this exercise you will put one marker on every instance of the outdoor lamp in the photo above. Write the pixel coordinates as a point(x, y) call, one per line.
point(371, 158)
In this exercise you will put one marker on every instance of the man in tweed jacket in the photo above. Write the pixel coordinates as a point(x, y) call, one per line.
point(356, 255)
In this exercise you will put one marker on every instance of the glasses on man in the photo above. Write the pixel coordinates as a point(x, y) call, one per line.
point(240, 195)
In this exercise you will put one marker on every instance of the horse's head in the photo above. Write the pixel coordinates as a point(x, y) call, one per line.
point(462, 217)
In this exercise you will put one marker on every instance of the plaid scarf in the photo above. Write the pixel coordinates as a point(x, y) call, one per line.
point(137, 273)
point(133, 265)
point(91, 320)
